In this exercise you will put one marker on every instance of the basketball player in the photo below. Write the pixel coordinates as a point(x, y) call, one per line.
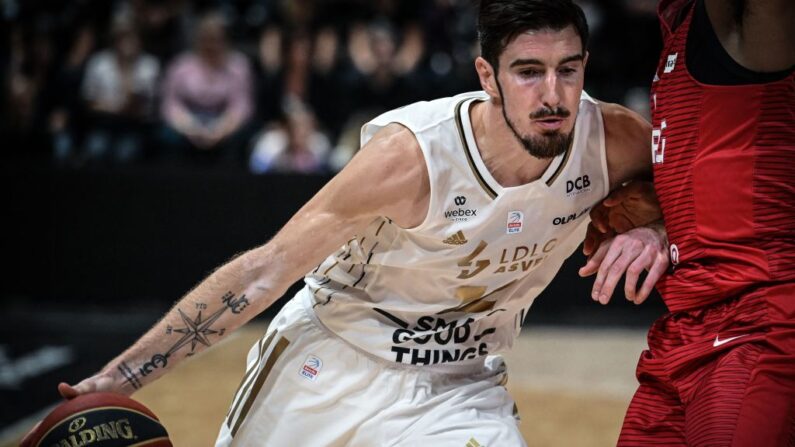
point(424, 255)
point(720, 369)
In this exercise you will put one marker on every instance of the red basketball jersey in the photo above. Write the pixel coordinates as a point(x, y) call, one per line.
point(724, 170)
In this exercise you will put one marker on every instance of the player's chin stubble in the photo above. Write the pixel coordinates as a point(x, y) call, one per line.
point(546, 145)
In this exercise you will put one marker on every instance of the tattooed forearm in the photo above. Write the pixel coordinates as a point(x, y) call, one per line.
point(129, 375)
point(194, 331)
point(236, 305)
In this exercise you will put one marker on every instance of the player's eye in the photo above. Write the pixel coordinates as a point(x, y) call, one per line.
point(530, 73)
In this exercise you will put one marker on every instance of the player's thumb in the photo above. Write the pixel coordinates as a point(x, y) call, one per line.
point(70, 392)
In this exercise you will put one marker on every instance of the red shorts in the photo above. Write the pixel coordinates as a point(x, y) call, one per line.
point(719, 376)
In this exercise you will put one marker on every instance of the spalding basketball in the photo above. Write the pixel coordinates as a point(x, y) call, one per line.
point(100, 420)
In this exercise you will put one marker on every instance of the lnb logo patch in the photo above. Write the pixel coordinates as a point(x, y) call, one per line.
point(311, 368)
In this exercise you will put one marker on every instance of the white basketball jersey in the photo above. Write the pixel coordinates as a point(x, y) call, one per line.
point(458, 286)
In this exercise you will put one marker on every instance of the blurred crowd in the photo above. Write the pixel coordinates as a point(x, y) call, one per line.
point(269, 85)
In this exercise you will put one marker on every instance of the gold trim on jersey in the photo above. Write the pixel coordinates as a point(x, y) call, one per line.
point(468, 153)
point(281, 345)
point(456, 239)
point(562, 164)
point(263, 345)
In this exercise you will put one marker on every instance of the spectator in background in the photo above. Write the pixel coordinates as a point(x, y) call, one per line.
point(207, 98)
point(270, 73)
point(119, 91)
point(31, 78)
point(296, 146)
point(380, 66)
point(162, 25)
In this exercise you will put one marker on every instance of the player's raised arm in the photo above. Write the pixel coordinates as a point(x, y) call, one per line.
point(387, 178)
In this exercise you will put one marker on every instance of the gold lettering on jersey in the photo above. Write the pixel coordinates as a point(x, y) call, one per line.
point(521, 258)
point(524, 258)
point(480, 264)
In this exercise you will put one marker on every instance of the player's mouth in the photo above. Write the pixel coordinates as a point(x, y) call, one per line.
point(550, 123)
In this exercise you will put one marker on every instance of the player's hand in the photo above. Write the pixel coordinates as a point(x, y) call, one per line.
point(94, 384)
point(639, 249)
point(628, 207)
point(594, 238)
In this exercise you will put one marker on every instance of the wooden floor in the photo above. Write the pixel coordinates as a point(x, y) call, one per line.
point(571, 386)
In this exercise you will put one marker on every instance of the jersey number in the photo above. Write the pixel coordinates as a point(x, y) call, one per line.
point(658, 144)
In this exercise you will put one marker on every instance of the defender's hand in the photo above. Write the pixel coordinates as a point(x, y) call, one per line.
point(628, 207)
point(644, 248)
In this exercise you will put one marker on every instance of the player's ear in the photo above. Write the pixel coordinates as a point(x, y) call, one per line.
point(487, 77)
point(585, 59)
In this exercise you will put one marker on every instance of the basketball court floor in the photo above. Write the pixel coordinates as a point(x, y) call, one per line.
point(571, 385)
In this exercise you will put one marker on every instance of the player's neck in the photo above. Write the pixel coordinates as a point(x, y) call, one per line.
point(504, 156)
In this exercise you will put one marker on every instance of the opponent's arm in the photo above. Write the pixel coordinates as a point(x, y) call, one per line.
point(627, 139)
point(387, 178)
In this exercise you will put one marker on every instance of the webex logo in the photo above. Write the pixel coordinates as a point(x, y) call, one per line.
point(460, 214)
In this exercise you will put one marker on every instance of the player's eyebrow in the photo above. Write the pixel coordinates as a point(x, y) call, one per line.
point(565, 60)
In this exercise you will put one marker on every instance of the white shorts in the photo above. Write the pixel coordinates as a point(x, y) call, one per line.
point(305, 386)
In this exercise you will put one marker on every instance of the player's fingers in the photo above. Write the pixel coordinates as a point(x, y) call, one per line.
point(613, 253)
point(634, 270)
point(655, 273)
point(600, 218)
point(70, 392)
point(590, 240)
point(595, 260)
point(613, 276)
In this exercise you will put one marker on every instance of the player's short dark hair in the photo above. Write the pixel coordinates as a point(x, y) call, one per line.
point(500, 21)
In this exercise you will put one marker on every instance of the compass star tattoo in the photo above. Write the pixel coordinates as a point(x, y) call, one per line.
point(195, 331)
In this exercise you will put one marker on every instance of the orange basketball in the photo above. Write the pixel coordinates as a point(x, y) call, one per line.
point(100, 420)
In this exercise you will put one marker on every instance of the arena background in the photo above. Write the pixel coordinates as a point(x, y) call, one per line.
point(110, 217)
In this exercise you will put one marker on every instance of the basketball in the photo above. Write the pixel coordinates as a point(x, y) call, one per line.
point(101, 420)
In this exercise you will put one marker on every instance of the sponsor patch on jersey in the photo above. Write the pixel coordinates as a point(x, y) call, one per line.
point(515, 221)
point(311, 368)
point(670, 63)
point(459, 213)
point(456, 239)
point(579, 185)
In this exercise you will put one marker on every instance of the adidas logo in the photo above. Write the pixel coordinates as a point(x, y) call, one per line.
point(456, 239)
point(473, 443)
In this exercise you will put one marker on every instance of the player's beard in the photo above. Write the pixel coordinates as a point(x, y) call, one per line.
point(548, 144)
